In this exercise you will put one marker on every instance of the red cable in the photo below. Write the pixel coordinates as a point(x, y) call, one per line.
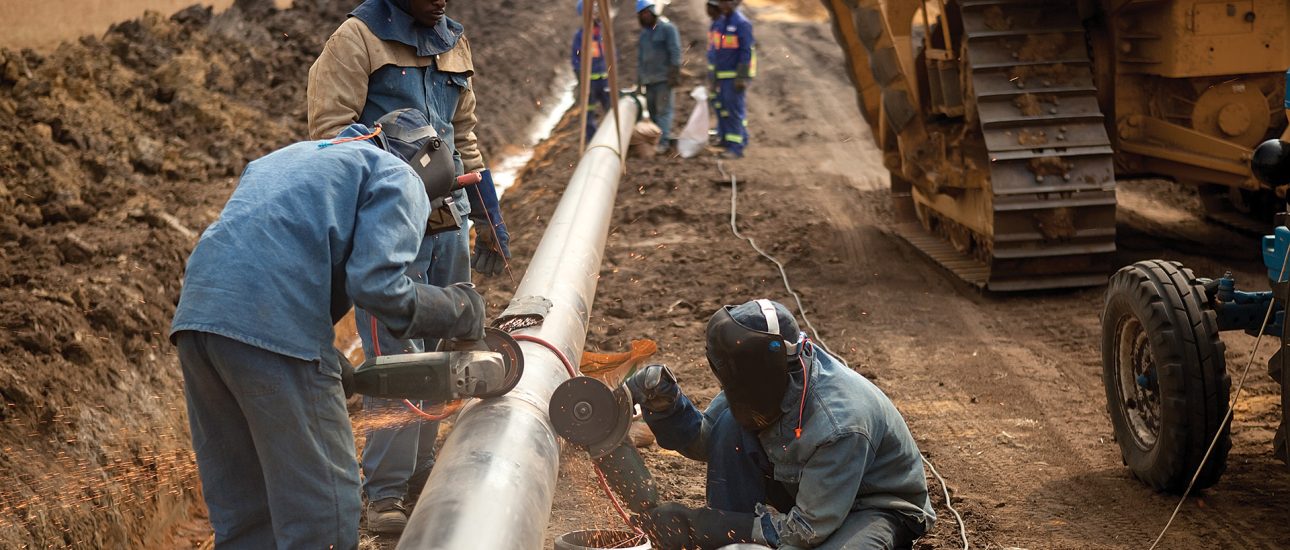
point(573, 371)
point(450, 408)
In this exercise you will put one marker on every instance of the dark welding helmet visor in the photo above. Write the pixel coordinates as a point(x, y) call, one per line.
point(408, 135)
point(751, 365)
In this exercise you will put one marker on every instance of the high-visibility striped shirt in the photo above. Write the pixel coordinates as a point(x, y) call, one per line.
point(731, 45)
point(599, 69)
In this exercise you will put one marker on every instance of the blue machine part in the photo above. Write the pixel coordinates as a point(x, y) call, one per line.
point(1274, 253)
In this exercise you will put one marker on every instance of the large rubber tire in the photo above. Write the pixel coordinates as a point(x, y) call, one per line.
point(1280, 443)
point(1157, 324)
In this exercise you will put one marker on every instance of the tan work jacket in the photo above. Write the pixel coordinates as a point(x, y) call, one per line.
point(338, 83)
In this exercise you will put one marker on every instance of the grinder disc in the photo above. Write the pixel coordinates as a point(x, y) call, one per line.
point(501, 342)
point(585, 412)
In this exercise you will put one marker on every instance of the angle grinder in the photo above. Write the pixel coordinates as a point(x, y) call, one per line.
point(591, 415)
point(483, 368)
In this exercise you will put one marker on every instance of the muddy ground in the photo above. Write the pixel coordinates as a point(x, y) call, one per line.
point(115, 152)
point(1003, 392)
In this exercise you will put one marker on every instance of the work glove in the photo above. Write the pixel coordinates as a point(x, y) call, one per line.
point(673, 526)
point(654, 388)
point(743, 78)
point(492, 241)
point(471, 321)
point(674, 77)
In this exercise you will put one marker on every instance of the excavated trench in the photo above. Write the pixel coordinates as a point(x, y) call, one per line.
point(116, 151)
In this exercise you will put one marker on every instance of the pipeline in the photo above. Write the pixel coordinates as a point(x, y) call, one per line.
point(494, 481)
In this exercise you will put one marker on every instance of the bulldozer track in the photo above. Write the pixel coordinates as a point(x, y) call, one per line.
point(1052, 181)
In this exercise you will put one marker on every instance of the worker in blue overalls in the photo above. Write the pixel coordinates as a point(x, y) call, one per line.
point(733, 61)
point(598, 97)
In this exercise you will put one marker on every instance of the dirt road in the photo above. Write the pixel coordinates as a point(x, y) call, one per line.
point(1003, 392)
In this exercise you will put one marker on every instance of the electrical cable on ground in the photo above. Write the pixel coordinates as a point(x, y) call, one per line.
point(734, 193)
point(1231, 407)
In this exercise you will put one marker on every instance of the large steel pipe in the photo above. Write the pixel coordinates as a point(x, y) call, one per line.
point(494, 480)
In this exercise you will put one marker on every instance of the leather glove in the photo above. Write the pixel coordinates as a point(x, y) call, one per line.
point(492, 241)
point(667, 525)
point(674, 77)
point(673, 526)
point(473, 313)
point(743, 79)
point(654, 387)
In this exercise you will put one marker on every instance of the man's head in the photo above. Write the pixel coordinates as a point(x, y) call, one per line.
point(647, 13)
point(727, 7)
point(750, 348)
point(714, 9)
point(407, 134)
point(427, 13)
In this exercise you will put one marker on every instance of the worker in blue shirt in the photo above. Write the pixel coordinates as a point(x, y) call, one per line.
point(732, 58)
point(396, 54)
point(658, 68)
point(802, 451)
point(598, 93)
point(311, 229)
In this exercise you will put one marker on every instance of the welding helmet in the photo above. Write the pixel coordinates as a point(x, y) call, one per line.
point(407, 134)
point(749, 350)
point(1271, 162)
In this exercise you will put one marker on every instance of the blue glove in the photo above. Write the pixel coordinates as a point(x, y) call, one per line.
point(492, 241)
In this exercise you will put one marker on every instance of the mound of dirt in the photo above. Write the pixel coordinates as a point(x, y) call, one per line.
point(115, 152)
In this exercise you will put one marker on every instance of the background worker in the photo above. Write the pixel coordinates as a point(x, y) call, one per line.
point(802, 451)
point(733, 60)
point(309, 228)
point(598, 93)
point(395, 54)
point(658, 68)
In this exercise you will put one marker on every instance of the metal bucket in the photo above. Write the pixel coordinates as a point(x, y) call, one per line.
point(601, 539)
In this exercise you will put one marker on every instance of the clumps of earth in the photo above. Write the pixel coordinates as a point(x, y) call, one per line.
point(115, 152)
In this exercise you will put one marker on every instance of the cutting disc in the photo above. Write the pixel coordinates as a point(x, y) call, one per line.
point(585, 412)
point(499, 341)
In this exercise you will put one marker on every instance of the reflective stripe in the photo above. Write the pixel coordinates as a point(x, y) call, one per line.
point(734, 138)
point(599, 76)
point(724, 113)
point(722, 75)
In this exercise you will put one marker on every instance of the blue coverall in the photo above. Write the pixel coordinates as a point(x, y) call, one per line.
point(730, 50)
point(598, 93)
point(393, 456)
point(307, 230)
point(854, 479)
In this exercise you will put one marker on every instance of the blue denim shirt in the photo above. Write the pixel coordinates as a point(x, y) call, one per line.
point(658, 51)
point(855, 452)
point(425, 89)
point(307, 230)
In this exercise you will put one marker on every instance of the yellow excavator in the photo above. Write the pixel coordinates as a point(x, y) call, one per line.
point(1005, 123)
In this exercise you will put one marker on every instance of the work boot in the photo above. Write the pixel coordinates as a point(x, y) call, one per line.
point(387, 516)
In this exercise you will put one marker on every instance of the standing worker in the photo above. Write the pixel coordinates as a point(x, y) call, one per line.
point(395, 54)
point(658, 68)
point(733, 60)
point(309, 228)
point(598, 93)
point(802, 451)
